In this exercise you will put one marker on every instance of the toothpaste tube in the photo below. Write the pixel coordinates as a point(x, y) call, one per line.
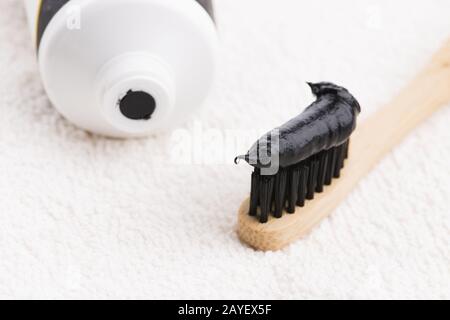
point(125, 68)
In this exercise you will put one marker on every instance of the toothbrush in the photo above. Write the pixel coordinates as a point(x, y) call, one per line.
point(370, 142)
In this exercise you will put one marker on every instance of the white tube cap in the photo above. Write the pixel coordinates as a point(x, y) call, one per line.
point(133, 67)
point(136, 93)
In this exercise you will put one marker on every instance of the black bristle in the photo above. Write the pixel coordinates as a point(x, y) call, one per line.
point(344, 153)
point(254, 193)
point(323, 163)
point(339, 161)
point(347, 145)
point(294, 178)
point(293, 185)
point(302, 186)
point(312, 179)
point(280, 192)
point(332, 156)
point(265, 196)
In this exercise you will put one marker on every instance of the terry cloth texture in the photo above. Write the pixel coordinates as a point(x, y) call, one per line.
point(82, 216)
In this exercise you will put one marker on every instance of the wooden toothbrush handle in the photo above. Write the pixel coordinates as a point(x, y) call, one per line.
point(371, 141)
point(429, 91)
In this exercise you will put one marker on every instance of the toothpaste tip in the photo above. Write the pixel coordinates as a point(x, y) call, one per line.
point(238, 159)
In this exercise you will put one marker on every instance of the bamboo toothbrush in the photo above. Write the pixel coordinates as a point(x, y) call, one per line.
point(371, 141)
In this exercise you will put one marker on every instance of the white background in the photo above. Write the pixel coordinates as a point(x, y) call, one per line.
point(82, 216)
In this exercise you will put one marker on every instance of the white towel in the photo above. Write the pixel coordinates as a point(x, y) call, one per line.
point(83, 216)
